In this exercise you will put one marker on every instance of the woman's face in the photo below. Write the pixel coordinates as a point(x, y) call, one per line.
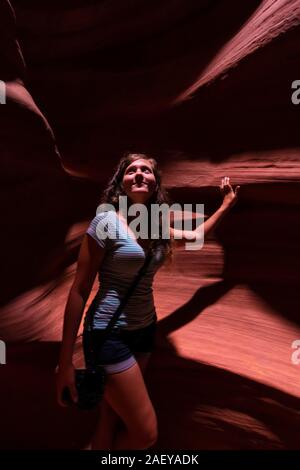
point(139, 181)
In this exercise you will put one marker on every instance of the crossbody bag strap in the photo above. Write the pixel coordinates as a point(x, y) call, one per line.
point(126, 297)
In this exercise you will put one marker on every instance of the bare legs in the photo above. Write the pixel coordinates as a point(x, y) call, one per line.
point(107, 426)
point(127, 418)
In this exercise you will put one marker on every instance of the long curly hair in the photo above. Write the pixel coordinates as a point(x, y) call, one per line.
point(160, 195)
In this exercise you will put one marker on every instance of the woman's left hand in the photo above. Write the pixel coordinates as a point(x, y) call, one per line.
point(229, 194)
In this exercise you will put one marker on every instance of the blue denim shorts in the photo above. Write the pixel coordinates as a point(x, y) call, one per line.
point(119, 350)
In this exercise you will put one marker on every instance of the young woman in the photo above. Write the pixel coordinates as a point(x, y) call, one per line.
point(127, 418)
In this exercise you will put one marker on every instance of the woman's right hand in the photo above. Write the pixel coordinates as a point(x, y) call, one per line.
point(65, 385)
point(229, 194)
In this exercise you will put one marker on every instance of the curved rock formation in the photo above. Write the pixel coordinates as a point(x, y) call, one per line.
point(205, 86)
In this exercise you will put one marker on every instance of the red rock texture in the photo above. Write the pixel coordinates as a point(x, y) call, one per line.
point(205, 86)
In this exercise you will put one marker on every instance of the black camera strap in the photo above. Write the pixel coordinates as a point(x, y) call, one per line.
point(125, 299)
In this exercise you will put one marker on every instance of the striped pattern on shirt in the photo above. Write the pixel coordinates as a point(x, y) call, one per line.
point(122, 260)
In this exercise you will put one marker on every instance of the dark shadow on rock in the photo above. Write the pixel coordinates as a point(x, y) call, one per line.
point(249, 107)
point(261, 249)
point(203, 407)
point(37, 215)
point(131, 76)
point(201, 299)
point(30, 415)
point(200, 406)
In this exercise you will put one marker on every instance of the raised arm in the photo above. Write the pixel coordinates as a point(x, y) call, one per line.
point(229, 199)
point(89, 260)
